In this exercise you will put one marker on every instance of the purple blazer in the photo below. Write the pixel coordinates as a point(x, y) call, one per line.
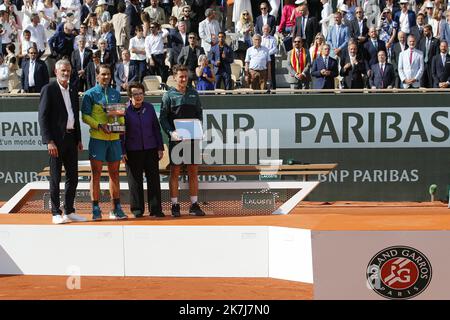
point(142, 130)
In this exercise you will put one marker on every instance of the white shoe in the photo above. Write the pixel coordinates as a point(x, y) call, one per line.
point(74, 217)
point(59, 219)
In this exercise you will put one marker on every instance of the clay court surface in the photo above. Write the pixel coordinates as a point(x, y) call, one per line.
point(308, 215)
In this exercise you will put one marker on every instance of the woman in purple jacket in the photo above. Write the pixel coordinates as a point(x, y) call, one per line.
point(142, 147)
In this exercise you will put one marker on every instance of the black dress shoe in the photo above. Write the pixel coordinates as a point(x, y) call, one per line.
point(176, 210)
point(158, 215)
point(195, 210)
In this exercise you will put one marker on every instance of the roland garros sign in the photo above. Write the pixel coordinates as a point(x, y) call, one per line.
point(399, 273)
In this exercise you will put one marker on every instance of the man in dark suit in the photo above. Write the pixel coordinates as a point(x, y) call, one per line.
point(430, 47)
point(358, 28)
point(382, 74)
point(440, 67)
point(34, 73)
point(125, 72)
point(60, 129)
point(91, 79)
point(306, 27)
point(133, 11)
point(404, 11)
point(265, 18)
point(372, 46)
point(86, 9)
point(221, 56)
point(80, 60)
point(353, 69)
point(324, 70)
point(189, 56)
point(397, 48)
point(177, 39)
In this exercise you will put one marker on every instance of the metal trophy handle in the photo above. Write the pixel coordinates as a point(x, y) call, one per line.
point(115, 110)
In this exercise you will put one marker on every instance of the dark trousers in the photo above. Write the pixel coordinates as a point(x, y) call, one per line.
point(427, 78)
point(226, 77)
point(67, 156)
point(32, 90)
point(139, 163)
point(160, 67)
point(141, 67)
point(273, 72)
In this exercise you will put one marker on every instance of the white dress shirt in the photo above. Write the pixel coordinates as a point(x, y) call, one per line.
point(257, 58)
point(137, 44)
point(126, 71)
point(154, 44)
point(81, 57)
point(70, 117)
point(270, 43)
point(38, 36)
point(404, 22)
point(31, 73)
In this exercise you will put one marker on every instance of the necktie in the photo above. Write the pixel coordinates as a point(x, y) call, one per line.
point(382, 76)
point(427, 48)
point(443, 60)
point(326, 62)
point(375, 44)
point(410, 56)
point(303, 26)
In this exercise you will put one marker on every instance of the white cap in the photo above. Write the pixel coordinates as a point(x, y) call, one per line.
point(300, 1)
point(429, 4)
point(403, 1)
point(101, 2)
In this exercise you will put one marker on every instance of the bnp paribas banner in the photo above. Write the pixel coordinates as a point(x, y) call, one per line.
point(314, 128)
point(383, 153)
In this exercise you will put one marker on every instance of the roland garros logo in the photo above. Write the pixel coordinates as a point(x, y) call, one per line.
point(399, 272)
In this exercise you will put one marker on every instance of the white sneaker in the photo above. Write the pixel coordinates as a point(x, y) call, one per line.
point(76, 218)
point(59, 219)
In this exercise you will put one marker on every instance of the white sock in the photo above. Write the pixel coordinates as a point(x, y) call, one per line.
point(194, 199)
point(174, 200)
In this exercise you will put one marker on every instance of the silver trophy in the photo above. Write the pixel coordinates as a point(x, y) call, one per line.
point(115, 110)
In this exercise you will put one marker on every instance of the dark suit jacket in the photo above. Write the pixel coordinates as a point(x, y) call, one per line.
point(271, 21)
point(53, 113)
point(119, 75)
point(354, 76)
point(411, 18)
point(76, 61)
point(184, 53)
point(40, 75)
point(91, 79)
point(215, 56)
point(108, 58)
point(354, 31)
point(440, 72)
point(396, 50)
point(320, 81)
point(175, 44)
point(134, 18)
point(382, 80)
point(84, 12)
point(311, 29)
point(434, 48)
point(371, 53)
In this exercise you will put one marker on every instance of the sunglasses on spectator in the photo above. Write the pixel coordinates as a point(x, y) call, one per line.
point(297, 41)
point(32, 52)
point(191, 37)
point(245, 14)
point(137, 94)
